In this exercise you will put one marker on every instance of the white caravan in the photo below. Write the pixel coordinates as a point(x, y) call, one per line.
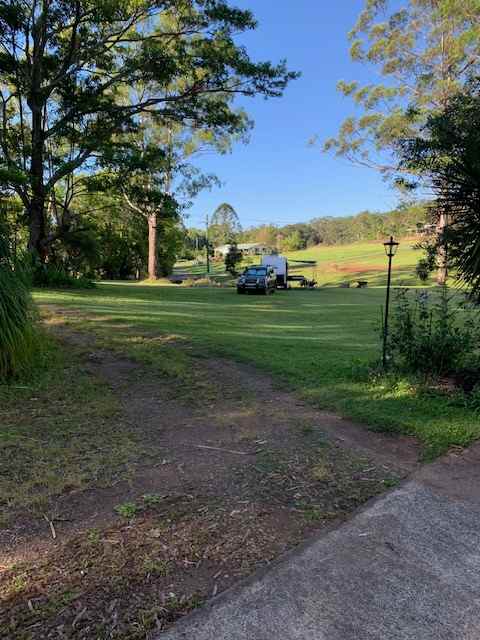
point(280, 265)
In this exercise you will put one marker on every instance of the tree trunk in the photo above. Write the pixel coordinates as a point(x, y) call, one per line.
point(36, 218)
point(152, 247)
point(36, 210)
point(442, 273)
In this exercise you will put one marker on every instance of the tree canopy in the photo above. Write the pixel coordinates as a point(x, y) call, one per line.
point(446, 155)
point(425, 50)
point(67, 69)
point(224, 225)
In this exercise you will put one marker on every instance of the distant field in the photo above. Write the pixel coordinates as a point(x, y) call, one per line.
point(338, 264)
point(359, 261)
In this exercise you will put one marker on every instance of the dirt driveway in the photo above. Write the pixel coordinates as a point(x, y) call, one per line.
point(228, 473)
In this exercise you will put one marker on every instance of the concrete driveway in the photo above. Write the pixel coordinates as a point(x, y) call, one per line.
point(407, 567)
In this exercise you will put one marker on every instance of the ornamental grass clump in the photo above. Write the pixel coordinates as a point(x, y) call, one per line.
point(17, 334)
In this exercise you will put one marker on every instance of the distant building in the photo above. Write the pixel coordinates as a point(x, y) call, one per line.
point(246, 249)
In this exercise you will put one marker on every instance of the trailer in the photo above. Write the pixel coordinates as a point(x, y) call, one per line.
point(282, 267)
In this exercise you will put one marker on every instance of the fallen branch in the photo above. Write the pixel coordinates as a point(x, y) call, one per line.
point(52, 528)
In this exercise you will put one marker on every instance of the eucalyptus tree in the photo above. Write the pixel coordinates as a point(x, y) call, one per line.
point(424, 51)
point(67, 68)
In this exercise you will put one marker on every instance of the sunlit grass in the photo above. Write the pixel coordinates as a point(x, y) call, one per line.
point(318, 343)
point(340, 264)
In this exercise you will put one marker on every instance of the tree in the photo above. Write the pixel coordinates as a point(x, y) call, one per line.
point(293, 241)
point(425, 51)
point(224, 225)
point(447, 155)
point(232, 258)
point(66, 72)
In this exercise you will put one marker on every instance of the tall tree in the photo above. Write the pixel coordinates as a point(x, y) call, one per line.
point(425, 50)
point(225, 225)
point(447, 155)
point(66, 72)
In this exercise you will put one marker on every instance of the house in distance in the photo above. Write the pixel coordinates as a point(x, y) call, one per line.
point(246, 249)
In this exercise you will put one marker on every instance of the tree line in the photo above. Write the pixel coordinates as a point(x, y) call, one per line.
point(330, 230)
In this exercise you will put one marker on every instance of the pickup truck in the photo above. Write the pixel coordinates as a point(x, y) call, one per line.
point(259, 279)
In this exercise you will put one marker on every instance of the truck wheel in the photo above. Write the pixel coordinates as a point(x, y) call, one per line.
point(241, 291)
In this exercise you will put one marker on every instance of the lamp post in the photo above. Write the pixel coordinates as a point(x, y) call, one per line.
point(208, 246)
point(390, 249)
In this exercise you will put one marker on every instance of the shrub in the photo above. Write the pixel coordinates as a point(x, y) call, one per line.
point(17, 334)
point(49, 275)
point(429, 337)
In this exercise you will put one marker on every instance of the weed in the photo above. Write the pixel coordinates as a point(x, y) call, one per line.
point(93, 537)
point(127, 510)
point(320, 472)
point(313, 514)
point(152, 499)
point(157, 566)
point(307, 429)
point(390, 483)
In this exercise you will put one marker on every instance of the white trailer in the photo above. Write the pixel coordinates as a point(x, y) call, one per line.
point(280, 265)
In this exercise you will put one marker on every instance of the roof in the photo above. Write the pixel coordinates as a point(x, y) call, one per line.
point(242, 246)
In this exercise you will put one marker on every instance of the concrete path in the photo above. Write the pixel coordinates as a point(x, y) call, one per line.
point(406, 567)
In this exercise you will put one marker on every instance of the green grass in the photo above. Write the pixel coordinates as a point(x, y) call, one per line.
point(317, 342)
point(359, 261)
point(338, 264)
point(60, 433)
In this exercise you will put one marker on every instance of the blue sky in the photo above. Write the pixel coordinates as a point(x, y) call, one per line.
point(278, 177)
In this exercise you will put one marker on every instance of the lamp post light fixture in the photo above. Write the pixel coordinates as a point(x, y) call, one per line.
point(390, 249)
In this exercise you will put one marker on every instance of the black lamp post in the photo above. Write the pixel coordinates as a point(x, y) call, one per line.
point(390, 249)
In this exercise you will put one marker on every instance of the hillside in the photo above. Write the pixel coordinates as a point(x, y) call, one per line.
point(341, 263)
point(358, 261)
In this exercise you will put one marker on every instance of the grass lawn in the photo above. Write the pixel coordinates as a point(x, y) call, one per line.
point(317, 342)
point(337, 264)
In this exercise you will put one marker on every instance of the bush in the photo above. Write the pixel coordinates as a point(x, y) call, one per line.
point(49, 275)
point(17, 334)
point(429, 337)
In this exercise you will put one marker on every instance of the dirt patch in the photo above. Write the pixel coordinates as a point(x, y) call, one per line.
point(355, 268)
point(233, 472)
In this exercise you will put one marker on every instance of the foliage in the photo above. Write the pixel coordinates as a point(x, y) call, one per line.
point(17, 333)
point(293, 241)
point(425, 51)
point(51, 275)
point(367, 225)
point(224, 225)
point(423, 270)
point(427, 338)
point(68, 70)
point(446, 155)
point(232, 259)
